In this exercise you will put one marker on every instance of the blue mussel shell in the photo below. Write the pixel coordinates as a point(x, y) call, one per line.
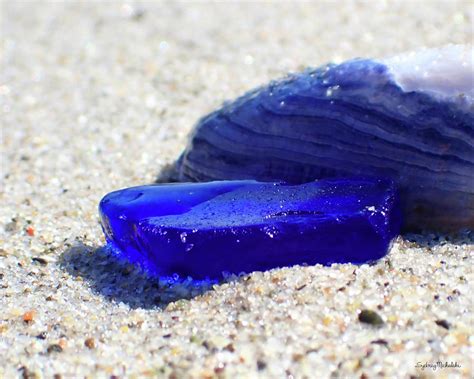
point(350, 119)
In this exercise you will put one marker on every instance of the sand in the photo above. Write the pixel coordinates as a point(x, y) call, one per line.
point(99, 97)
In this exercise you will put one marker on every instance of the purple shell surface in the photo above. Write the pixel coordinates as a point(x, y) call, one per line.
point(360, 117)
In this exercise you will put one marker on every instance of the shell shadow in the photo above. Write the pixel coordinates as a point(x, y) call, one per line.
point(168, 173)
point(430, 239)
point(119, 281)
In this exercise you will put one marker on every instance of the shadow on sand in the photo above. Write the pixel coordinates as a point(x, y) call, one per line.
point(119, 281)
point(169, 173)
point(428, 239)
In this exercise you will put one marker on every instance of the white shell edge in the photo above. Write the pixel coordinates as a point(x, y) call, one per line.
point(446, 72)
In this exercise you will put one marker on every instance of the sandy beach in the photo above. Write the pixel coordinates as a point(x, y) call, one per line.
point(96, 97)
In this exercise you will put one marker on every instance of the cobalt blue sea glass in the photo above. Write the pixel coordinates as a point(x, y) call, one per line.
point(203, 230)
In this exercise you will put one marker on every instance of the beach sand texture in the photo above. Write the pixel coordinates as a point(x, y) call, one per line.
point(99, 97)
